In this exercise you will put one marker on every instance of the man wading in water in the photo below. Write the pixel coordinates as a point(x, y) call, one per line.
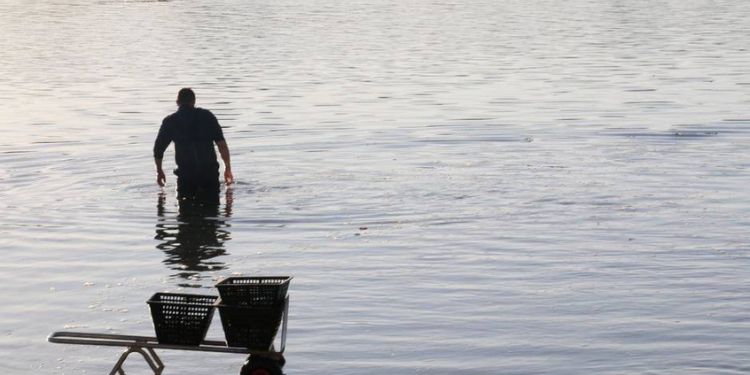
point(193, 131)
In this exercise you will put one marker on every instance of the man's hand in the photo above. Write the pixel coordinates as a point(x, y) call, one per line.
point(224, 151)
point(228, 177)
point(161, 179)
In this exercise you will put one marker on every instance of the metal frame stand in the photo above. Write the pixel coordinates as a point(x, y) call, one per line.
point(145, 345)
point(153, 360)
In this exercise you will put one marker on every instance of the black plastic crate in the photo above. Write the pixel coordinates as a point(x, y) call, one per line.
point(253, 290)
point(181, 319)
point(252, 327)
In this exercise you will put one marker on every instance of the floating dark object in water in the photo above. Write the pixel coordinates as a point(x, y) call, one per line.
point(673, 134)
point(695, 133)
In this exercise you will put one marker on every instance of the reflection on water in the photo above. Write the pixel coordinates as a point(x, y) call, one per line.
point(193, 239)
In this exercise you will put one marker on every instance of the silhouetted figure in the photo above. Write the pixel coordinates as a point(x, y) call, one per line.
point(195, 237)
point(194, 132)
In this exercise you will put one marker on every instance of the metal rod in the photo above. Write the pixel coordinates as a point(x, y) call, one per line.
point(283, 325)
point(102, 339)
point(156, 369)
point(118, 365)
point(156, 359)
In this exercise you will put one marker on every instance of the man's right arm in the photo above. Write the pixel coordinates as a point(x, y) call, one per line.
point(163, 139)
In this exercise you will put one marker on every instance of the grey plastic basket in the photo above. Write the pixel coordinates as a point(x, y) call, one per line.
point(253, 290)
point(181, 319)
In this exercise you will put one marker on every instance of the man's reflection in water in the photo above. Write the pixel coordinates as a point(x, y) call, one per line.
point(194, 238)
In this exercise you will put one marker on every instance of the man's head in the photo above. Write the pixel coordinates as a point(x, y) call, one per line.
point(186, 98)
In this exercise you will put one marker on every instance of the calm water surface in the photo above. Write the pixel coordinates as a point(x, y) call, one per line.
point(479, 187)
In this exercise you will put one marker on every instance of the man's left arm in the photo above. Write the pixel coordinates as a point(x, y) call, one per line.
point(224, 151)
point(218, 137)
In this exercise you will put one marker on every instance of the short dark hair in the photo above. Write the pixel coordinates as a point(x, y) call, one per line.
point(185, 96)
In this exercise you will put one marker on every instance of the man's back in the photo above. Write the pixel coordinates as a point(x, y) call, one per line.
point(193, 131)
